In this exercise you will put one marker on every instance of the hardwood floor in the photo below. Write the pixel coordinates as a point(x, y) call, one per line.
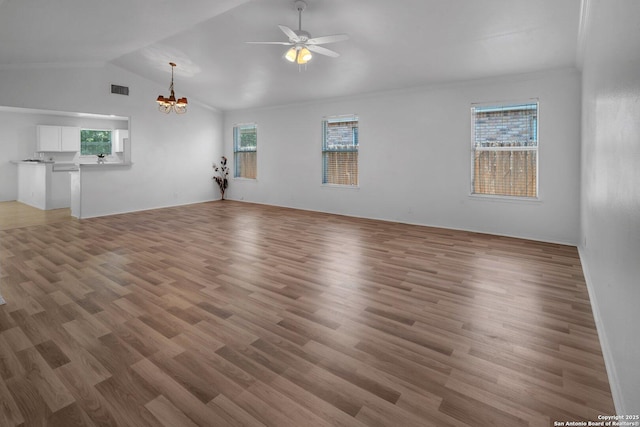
point(229, 313)
point(16, 215)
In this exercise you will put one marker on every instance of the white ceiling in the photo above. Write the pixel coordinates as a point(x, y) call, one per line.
point(392, 44)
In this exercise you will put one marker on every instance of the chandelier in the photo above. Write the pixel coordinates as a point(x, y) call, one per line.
point(167, 104)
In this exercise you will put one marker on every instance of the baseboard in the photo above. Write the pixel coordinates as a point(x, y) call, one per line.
point(609, 362)
point(110, 213)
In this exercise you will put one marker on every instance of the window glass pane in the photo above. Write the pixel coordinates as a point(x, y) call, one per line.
point(506, 126)
point(247, 138)
point(340, 168)
point(94, 142)
point(505, 150)
point(246, 164)
point(340, 151)
point(245, 147)
point(340, 136)
point(506, 173)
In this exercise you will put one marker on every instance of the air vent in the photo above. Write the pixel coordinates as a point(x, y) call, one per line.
point(120, 90)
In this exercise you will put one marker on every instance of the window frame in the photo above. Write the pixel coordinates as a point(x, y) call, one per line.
point(236, 140)
point(505, 105)
point(356, 137)
point(85, 156)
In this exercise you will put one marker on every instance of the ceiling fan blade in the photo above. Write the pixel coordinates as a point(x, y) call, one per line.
point(289, 33)
point(328, 39)
point(282, 43)
point(322, 51)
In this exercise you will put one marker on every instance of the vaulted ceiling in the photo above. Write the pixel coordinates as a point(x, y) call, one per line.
point(392, 44)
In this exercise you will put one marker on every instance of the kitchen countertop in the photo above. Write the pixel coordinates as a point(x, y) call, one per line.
point(90, 165)
point(31, 162)
point(55, 166)
point(104, 164)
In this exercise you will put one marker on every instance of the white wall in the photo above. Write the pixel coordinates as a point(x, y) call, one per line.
point(15, 132)
point(415, 157)
point(610, 203)
point(172, 155)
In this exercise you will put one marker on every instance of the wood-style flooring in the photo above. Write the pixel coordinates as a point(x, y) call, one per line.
point(229, 313)
point(16, 215)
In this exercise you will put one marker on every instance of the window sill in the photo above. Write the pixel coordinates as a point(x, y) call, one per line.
point(507, 199)
point(94, 158)
point(341, 187)
point(245, 179)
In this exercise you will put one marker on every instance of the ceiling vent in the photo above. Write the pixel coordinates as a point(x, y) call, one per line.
point(120, 90)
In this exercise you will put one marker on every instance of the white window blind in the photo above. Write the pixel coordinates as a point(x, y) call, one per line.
point(245, 151)
point(505, 150)
point(340, 151)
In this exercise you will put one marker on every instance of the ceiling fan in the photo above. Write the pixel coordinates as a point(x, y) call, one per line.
point(301, 42)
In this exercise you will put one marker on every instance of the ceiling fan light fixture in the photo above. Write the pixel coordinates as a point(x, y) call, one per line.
point(298, 54)
point(291, 54)
point(304, 56)
point(166, 105)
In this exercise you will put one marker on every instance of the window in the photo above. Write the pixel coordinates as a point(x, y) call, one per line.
point(340, 151)
point(245, 151)
point(505, 150)
point(94, 142)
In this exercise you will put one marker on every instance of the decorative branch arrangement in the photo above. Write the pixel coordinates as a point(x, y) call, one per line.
point(222, 175)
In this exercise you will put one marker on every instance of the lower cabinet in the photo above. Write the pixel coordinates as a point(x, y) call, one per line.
point(60, 194)
point(39, 186)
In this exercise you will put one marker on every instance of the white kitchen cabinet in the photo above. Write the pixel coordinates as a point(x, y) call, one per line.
point(60, 191)
point(48, 138)
point(58, 138)
point(69, 138)
point(119, 135)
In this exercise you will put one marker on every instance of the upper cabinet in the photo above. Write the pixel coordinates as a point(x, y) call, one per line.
point(69, 138)
point(58, 138)
point(48, 138)
point(118, 140)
